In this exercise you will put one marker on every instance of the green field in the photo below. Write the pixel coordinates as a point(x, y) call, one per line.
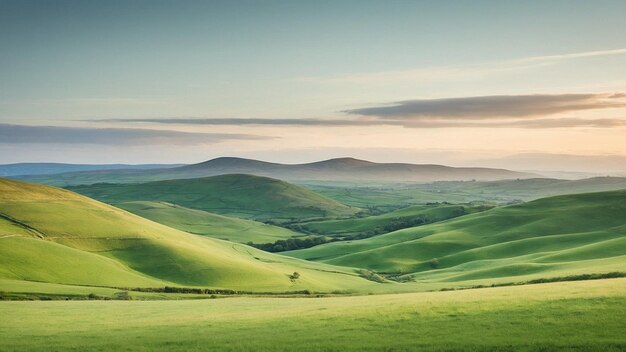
point(406, 217)
point(207, 224)
point(56, 236)
point(546, 237)
point(244, 196)
point(572, 316)
point(98, 273)
point(390, 196)
point(44, 229)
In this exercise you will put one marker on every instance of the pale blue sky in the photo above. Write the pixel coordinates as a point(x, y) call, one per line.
point(64, 63)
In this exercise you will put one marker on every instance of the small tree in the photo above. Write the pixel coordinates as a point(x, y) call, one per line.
point(295, 276)
point(434, 263)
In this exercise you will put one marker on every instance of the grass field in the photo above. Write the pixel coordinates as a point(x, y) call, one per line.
point(405, 217)
point(546, 237)
point(207, 224)
point(57, 245)
point(43, 229)
point(572, 316)
point(244, 196)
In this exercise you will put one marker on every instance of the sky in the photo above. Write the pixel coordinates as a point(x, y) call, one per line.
point(485, 83)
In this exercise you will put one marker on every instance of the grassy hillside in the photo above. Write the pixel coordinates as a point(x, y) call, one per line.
point(573, 316)
point(207, 224)
point(244, 196)
point(546, 237)
point(57, 236)
point(402, 218)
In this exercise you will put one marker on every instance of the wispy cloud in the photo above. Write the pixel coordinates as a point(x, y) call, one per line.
point(455, 72)
point(584, 54)
point(529, 124)
point(489, 107)
point(255, 121)
point(22, 134)
point(499, 111)
point(534, 123)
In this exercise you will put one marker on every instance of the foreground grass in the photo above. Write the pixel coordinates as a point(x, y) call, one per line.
point(572, 316)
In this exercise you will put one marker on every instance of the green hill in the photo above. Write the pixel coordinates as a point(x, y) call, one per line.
point(398, 219)
point(57, 236)
point(547, 237)
point(203, 223)
point(244, 196)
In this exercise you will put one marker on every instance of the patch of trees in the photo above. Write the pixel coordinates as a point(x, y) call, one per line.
point(295, 276)
point(193, 290)
point(211, 291)
point(393, 225)
point(399, 277)
point(292, 243)
point(372, 276)
point(403, 223)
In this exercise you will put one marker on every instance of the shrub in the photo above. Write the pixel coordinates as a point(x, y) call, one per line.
point(372, 276)
point(123, 295)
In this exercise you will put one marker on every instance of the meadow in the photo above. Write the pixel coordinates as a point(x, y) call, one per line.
point(571, 316)
point(200, 222)
point(158, 271)
point(244, 196)
point(390, 196)
point(394, 220)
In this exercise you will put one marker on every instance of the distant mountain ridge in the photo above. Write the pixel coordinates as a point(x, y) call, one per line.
point(338, 170)
point(18, 169)
point(351, 169)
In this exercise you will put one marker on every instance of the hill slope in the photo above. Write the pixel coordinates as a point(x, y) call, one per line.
point(333, 170)
point(547, 237)
point(242, 196)
point(57, 236)
point(203, 223)
point(394, 220)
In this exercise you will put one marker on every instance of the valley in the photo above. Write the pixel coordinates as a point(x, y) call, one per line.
point(370, 258)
